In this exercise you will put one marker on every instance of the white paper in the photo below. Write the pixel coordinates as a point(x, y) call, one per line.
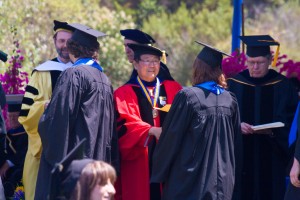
point(267, 126)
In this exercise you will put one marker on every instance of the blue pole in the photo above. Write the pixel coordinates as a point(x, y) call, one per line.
point(236, 24)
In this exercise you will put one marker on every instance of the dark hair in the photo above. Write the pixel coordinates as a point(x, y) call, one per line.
point(137, 56)
point(94, 173)
point(202, 72)
point(80, 51)
point(55, 36)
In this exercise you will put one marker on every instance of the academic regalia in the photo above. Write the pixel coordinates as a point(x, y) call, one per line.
point(134, 119)
point(37, 93)
point(264, 100)
point(292, 192)
point(82, 108)
point(16, 148)
point(17, 142)
point(197, 153)
point(143, 38)
point(194, 157)
point(64, 178)
point(2, 196)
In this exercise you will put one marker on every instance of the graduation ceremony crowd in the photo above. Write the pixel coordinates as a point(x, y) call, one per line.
point(73, 136)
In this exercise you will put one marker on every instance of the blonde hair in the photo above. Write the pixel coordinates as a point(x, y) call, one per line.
point(94, 173)
point(202, 72)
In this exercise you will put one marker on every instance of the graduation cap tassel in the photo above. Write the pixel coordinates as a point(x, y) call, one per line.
point(164, 57)
point(276, 56)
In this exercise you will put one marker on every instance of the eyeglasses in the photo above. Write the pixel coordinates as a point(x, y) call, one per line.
point(148, 62)
point(251, 63)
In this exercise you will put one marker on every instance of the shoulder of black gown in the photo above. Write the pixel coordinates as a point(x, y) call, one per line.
point(184, 95)
point(244, 78)
point(75, 75)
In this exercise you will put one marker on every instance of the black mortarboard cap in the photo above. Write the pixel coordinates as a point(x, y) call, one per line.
point(14, 102)
point(145, 49)
point(72, 175)
point(258, 45)
point(60, 184)
point(3, 56)
point(85, 35)
point(58, 26)
point(210, 55)
point(137, 35)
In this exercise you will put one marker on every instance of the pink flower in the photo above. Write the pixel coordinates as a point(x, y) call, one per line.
point(237, 63)
point(234, 65)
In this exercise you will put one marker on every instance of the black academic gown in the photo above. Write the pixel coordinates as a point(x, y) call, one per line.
point(16, 148)
point(195, 155)
point(81, 107)
point(272, 98)
point(292, 192)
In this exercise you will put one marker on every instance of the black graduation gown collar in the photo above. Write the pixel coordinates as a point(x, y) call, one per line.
point(271, 77)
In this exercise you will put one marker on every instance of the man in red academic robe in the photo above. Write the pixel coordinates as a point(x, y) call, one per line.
point(139, 104)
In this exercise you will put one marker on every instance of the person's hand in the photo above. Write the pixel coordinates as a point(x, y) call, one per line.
point(4, 169)
point(294, 173)
point(246, 128)
point(155, 131)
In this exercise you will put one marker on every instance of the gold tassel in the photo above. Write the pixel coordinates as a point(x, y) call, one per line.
point(164, 57)
point(276, 56)
point(62, 29)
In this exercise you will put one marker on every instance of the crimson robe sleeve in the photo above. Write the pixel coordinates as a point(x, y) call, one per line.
point(131, 144)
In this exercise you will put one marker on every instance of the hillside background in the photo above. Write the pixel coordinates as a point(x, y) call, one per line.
point(174, 24)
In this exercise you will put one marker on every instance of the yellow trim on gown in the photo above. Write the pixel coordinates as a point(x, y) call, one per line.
point(42, 82)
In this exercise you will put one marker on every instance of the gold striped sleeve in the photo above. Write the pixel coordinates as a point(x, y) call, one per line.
point(38, 91)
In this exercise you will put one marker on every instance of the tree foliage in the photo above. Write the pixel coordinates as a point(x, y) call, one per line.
point(176, 33)
point(281, 23)
point(174, 24)
point(34, 20)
